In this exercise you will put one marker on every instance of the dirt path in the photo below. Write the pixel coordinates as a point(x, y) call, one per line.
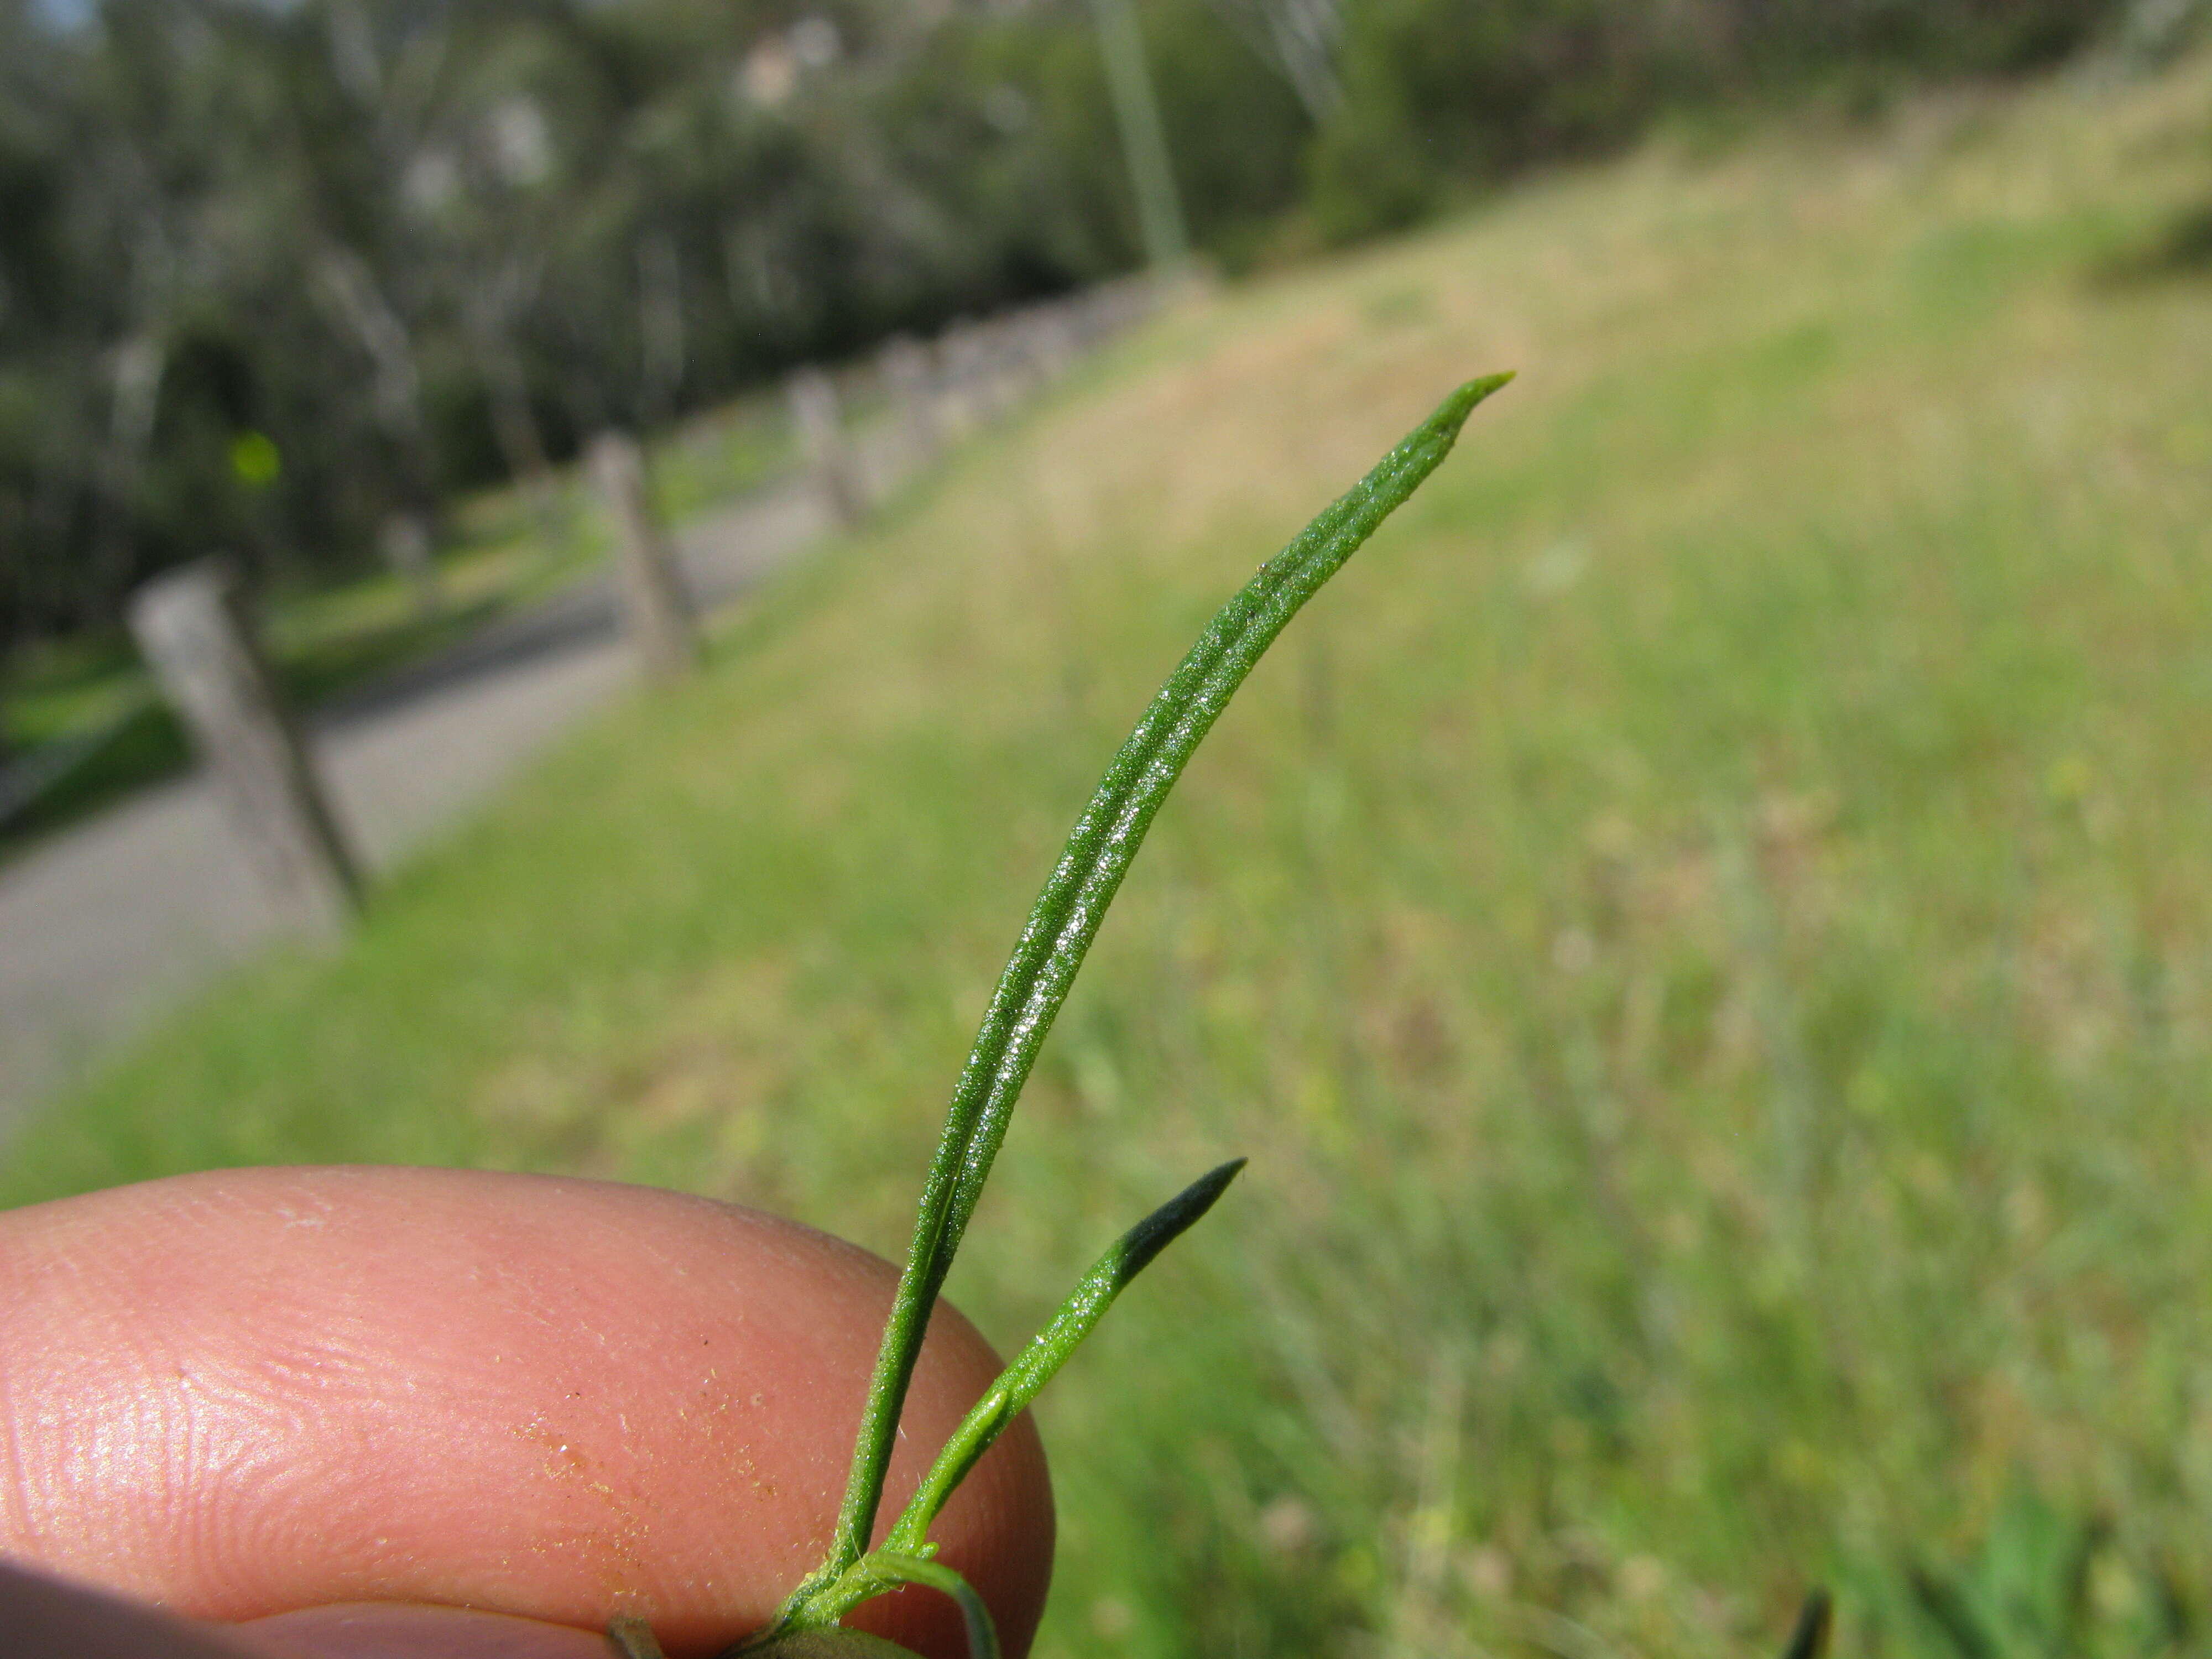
point(110, 925)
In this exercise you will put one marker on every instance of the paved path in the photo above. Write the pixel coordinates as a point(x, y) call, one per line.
point(111, 924)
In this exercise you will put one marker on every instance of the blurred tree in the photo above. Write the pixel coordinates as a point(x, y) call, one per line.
point(1298, 38)
point(46, 368)
point(417, 243)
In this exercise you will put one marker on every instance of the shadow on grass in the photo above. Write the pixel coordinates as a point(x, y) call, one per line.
point(2179, 250)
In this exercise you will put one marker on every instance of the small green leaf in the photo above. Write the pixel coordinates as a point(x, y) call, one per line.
point(982, 1635)
point(1048, 1349)
point(872, 1575)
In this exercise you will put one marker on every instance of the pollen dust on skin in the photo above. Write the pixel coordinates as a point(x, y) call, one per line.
point(713, 1413)
point(617, 1543)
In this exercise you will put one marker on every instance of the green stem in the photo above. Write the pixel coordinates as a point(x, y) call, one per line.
point(1048, 1349)
point(1066, 916)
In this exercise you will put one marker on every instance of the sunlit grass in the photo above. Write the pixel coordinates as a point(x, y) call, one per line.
point(1703, 932)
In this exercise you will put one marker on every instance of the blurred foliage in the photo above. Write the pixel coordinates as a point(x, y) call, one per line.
point(422, 243)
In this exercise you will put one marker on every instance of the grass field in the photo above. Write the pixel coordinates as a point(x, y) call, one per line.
point(1705, 931)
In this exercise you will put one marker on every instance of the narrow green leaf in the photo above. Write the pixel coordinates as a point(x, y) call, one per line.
point(1048, 1349)
point(874, 1574)
point(982, 1635)
point(1067, 914)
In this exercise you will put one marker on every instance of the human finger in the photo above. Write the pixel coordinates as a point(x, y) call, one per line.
point(254, 1392)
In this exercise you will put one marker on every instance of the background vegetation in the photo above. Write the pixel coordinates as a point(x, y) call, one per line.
point(1702, 930)
point(270, 273)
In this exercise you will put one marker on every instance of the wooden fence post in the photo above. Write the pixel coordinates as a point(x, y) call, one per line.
point(963, 375)
point(1049, 339)
point(904, 364)
point(405, 542)
point(196, 627)
point(821, 423)
point(655, 608)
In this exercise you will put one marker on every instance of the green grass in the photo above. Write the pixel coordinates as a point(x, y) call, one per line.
point(1703, 928)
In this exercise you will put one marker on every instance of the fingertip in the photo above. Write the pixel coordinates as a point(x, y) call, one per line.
point(250, 1393)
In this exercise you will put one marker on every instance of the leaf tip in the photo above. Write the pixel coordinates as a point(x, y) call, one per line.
point(1461, 403)
point(1198, 1197)
point(1442, 428)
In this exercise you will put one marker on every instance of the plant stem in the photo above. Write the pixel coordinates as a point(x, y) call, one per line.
point(1066, 916)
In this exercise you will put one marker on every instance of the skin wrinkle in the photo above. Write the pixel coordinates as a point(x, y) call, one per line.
point(246, 1417)
point(15, 1503)
point(470, 1389)
point(267, 1490)
point(131, 1402)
